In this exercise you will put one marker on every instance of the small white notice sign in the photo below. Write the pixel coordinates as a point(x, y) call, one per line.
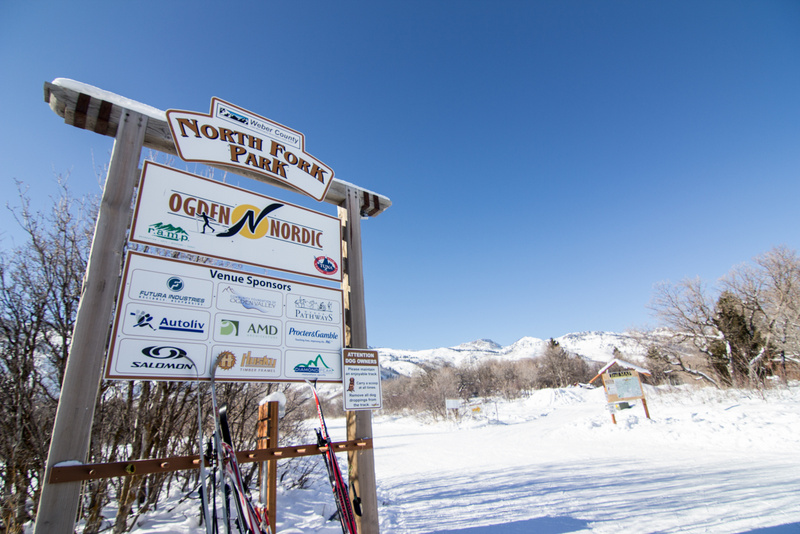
point(361, 372)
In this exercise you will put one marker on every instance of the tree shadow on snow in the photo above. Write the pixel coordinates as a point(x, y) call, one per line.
point(540, 525)
point(789, 528)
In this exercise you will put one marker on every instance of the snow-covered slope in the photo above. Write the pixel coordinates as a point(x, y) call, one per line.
point(707, 460)
point(595, 346)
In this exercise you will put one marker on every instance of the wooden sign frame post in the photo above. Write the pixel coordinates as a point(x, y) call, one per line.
point(58, 504)
point(359, 423)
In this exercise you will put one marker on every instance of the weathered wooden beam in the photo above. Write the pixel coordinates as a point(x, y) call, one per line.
point(93, 109)
point(75, 473)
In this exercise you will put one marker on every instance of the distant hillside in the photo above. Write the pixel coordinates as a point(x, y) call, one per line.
point(594, 346)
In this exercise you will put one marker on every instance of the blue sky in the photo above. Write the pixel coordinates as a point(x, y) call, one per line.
point(548, 161)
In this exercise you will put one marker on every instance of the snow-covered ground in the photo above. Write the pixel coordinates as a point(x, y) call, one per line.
point(706, 461)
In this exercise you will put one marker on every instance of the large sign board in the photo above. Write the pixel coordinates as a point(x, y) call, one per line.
point(362, 379)
point(232, 136)
point(186, 212)
point(174, 319)
point(622, 386)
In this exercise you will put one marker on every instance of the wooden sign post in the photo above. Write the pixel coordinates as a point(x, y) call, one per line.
point(359, 423)
point(58, 504)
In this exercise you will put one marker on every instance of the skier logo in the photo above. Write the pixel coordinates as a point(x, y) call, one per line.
point(143, 319)
point(207, 222)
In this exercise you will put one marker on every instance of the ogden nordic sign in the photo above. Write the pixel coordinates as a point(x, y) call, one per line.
point(182, 211)
point(232, 136)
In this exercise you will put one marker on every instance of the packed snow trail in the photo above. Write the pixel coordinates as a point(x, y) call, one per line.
point(708, 461)
point(556, 463)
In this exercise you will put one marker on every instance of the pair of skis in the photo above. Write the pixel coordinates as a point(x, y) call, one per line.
point(338, 484)
point(248, 519)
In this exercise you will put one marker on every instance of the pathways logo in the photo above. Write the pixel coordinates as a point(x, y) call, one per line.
point(314, 309)
point(317, 366)
point(168, 232)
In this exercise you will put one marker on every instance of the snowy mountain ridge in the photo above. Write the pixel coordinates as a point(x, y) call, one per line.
point(593, 346)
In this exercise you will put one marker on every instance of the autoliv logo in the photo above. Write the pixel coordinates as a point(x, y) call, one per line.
point(166, 357)
point(144, 320)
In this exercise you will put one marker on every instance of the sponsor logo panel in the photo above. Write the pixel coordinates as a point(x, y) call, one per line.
point(172, 289)
point(247, 362)
point(322, 337)
point(159, 334)
point(313, 365)
point(317, 309)
point(150, 320)
point(160, 358)
point(239, 299)
point(239, 328)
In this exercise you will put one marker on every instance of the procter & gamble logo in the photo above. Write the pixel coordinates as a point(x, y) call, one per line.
point(325, 265)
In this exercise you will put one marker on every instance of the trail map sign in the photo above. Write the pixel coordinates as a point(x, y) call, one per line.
point(362, 379)
point(623, 386)
point(175, 318)
point(232, 136)
point(186, 212)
